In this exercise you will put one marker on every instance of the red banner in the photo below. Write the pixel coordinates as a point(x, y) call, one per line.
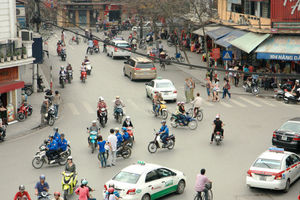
point(216, 53)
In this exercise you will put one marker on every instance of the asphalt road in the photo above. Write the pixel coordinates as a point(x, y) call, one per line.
point(249, 123)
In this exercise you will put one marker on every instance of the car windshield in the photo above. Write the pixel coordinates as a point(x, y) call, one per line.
point(144, 65)
point(266, 163)
point(124, 45)
point(164, 85)
point(127, 177)
point(290, 126)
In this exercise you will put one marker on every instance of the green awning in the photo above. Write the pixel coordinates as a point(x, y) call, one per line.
point(249, 41)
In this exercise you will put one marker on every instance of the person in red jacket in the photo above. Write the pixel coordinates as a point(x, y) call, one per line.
point(22, 194)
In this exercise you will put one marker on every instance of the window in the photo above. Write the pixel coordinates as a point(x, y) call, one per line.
point(164, 172)
point(131, 62)
point(144, 65)
point(289, 161)
point(127, 177)
point(164, 85)
point(266, 163)
point(151, 176)
point(151, 84)
point(124, 45)
point(295, 158)
point(290, 126)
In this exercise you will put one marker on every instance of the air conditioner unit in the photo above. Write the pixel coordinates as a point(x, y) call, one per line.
point(18, 43)
point(26, 35)
point(20, 12)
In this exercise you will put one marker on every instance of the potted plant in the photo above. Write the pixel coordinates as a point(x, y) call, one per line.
point(15, 55)
point(19, 54)
point(1, 57)
point(8, 56)
point(24, 53)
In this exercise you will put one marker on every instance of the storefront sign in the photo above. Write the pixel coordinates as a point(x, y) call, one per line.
point(8, 74)
point(277, 56)
point(295, 5)
point(216, 53)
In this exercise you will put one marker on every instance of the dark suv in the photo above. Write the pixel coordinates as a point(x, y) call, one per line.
point(288, 135)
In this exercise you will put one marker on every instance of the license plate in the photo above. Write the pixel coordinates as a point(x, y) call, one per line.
point(284, 137)
point(166, 93)
point(262, 178)
point(218, 137)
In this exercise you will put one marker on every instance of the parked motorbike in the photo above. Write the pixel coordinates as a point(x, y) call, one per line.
point(189, 121)
point(44, 196)
point(103, 117)
point(118, 114)
point(279, 92)
point(88, 68)
point(23, 112)
point(291, 98)
point(40, 84)
point(50, 116)
point(124, 152)
point(28, 89)
point(251, 87)
point(83, 76)
point(218, 138)
point(63, 54)
point(69, 181)
point(69, 75)
point(157, 143)
point(2, 132)
point(162, 110)
point(92, 139)
point(40, 158)
point(62, 80)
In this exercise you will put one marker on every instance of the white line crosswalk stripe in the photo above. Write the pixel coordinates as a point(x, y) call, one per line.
point(266, 102)
point(225, 104)
point(207, 103)
point(88, 108)
point(238, 103)
point(250, 102)
point(73, 108)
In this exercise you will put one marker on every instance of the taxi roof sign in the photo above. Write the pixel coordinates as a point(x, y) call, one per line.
point(141, 162)
point(275, 149)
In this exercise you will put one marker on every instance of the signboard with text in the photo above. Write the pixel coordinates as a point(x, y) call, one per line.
point(216, 53)
point(278, 56)
point(285, 10)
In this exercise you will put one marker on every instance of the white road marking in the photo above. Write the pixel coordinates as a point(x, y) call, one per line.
point(225, 104)
point(88, 108)
point(134, 104)
point(73, 108)
point(207, 103)
point(251, 102)
point(238, 103)
point(266, 102)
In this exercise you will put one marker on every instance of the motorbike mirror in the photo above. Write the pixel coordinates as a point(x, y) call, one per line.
point(146, 83)
point(87, 128)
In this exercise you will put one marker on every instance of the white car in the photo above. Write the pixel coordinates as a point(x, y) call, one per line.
point(145, 181)
point(274, 169)
point(114, 51)
point(163, 86)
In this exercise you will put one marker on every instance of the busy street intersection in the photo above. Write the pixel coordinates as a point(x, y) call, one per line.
point(249, 125)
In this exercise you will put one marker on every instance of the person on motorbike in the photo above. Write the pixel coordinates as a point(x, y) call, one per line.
point(218, 127)
point(119, 137)
point(82, 69)
point(90, 45)
point(70, 166)
point(125, 136)
point(86, 59)
point(69, 67)
point(41, 186)
point(57, 196)
point(83, 191)
point(62, 73)
point(202, 184)
point(2, 128)
point(62, 143)
point(156, 102)
point(52, 148)
point(115, 192)
point(127, 122)
point(164, 132)
point(110, 194)
point(197, 103)
point(56, 135)
point(96, 44)
point(118, 103)
point(180, 112)
point(101, 104)
point(22, 194)
point(295, 91)
point(93, 128)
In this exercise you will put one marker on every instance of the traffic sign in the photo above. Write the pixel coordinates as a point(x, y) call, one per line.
point(227, 55)
point(216, 53)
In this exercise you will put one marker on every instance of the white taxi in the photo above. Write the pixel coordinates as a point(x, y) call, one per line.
point(274, 169)
point(114, 51)
point(145, 181)
point(163, 86)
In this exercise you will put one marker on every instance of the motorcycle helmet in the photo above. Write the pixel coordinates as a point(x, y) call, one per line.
point(70, 158)
point(124, 129)
point(297, 81)
point(56, 194)
point(127, 118)
point(117, 129)
point(42, 177)
point(84, 182)
point(218, 116)
point(111, 190)
point(178, 103)
point(163, 122)
point(22, 187)
point(51, 136)
point(101, 99)
point(117, 97)
point(111, 185)
point(61, 67)
point(94, 122)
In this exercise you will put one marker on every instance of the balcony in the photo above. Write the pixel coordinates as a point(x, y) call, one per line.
point(15, 57)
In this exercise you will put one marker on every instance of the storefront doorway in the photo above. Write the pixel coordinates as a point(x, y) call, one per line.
point(82, 18)
point(3, 106)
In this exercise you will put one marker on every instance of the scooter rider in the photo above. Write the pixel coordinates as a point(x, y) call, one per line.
point(52, 148)
point(62, 72)
point(180, 112)
point(295, 91)
point(70, 166)
point(127, 122)
point(118, 103)
point(156, 102)
point(56, 135)
point(86, 59)
point(119, 137)
point(101, 104)
point(164, 132)
point(202, 183)
point(218, 124)
point(125, 136)
point(62, 143)
point(93, 128)
point(115, 192)
point(41, 186)
point(22, 194)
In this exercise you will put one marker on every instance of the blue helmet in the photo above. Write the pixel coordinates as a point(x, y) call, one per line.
point(84, 182)
point(42, 177)
point(124, 129)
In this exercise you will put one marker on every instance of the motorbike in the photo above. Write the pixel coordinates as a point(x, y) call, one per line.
point(49, 96)
point(83, 76)
point(43, 196)
point(118, 114)
point(28, 89)
point(68, 150)
point(189, 121)
point(124, 152)
point(88, 68)
point(2, 132)
point(91, 51)
point(162, 110)
point(251, 87)
point(218, 137)
point(58, 50)
point(40, 158)
point(291, 98)
point(96, 49)
point(157, 143)
point(130, 132)
point(62, 80)
point(63, 55)
point(23, 112)
point(199, 113)
point(93, 140)
point(279, 92)
point(50, 116)
point(69, 181)
point(69, 75)
point(102, 117)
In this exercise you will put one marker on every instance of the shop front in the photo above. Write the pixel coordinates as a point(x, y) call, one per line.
point(9, 85)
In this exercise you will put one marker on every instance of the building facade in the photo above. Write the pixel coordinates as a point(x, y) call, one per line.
point(15, 54)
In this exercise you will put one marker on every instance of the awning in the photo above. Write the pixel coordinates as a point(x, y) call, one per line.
point(220, 32)
point(224, 41)
point(11, 85)
point(280, 48)
point(249, 41)
point(206, 29)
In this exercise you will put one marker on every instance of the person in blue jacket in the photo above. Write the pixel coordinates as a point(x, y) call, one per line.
point(125, 135)
point(164, 132)
point(56, 134)
point(52, 148)
point(62, 143)
point(119, 137)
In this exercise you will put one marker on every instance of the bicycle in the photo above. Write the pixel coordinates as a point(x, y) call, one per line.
point(178, 57)
point(201, 195)
point(162, 65)
point(199, 113)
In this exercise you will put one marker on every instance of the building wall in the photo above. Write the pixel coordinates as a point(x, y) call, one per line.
point(8, 19)
point(285, 11)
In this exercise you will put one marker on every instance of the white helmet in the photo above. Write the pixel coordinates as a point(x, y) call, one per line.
point(70, 158)
point(61, 67)
point(117, 129)
point(218, 116)
point(117, 97)
point(94, 122)
point(127, 118)
point(101, 98)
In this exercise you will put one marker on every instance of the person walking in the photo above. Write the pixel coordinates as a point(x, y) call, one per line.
point(226, 88)
point(216, 90)
point(56, 102)
point(208, 86)
point(187, 90)
point(102, 150)
point(192, 84)
point(44, 109)
point(112, 143)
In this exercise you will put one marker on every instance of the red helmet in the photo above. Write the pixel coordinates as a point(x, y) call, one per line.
point(57, 194)
point(111, 190)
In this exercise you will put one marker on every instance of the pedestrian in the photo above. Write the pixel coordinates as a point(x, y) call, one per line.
point(102, 150)
point(208, 86)
point(112, 143)
point(56, 102)
point(160, 46)
point(192, 84)
point(187, 90)
point(24, 97)
point(90, 45)
point(216, 90)
point(226, 89)
point(63, 37)
point(236, 76)
point(44, 109)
